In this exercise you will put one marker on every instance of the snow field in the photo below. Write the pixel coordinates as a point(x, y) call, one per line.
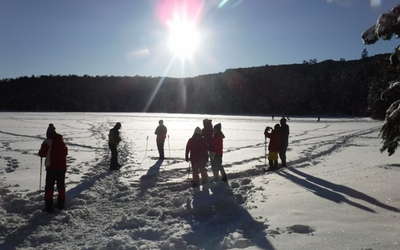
point(337, 192)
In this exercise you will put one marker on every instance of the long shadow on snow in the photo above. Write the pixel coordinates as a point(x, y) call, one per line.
point(12, 240)
point(344, 190)
point(42, 138)
point(86, 184)
point(42, 219)
point(149, 180)
point(215, 216)
point(390, 166)
point(321, 191)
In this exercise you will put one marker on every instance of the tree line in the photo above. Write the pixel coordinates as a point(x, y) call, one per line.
point(349, 88)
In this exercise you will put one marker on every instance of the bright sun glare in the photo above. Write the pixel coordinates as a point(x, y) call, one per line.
point(184, 38)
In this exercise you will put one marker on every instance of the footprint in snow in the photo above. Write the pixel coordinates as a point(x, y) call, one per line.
point(300, 229)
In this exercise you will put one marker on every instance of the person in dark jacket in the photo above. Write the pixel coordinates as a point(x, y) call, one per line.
point(207, 132)
point(113, 141)
point(274, 145)
point(196, 152)
point(284, 131)
point(161, 132)
point(55, 151)
point(216, 153)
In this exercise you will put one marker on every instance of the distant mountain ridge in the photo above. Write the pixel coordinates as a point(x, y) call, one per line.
point(350, 88)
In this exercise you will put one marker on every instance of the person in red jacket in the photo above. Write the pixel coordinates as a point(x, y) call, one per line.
point(216, 153)
point(274, 145)
point(196, 152)
point(55, 151)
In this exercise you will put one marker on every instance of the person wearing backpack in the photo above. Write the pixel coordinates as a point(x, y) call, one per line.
point(196, 152)
point(161, 132)
point(55, 151)
point(274, 145)
point(113, 140)
point(216, 153)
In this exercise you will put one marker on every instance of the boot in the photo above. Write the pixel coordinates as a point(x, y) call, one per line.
point(60, 204)
point(48, 206)
point(224, 178)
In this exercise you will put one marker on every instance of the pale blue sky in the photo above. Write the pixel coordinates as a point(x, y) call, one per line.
point(127, 37)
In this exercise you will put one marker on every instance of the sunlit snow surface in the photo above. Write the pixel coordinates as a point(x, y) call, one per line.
point(338, 192)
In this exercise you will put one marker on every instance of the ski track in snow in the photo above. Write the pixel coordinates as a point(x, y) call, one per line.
point(149, 204)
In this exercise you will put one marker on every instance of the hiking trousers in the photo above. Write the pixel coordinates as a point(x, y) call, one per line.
point(199, 168)
point(282, 155)
point(160, 147)
point(216, 166)
point(55, 176)
point(114, 157)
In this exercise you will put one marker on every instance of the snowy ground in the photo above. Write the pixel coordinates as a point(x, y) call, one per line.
point(338, 192)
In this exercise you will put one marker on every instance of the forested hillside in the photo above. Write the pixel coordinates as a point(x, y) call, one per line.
point(326, 88)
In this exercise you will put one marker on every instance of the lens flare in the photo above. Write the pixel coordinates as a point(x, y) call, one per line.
point(184, 38)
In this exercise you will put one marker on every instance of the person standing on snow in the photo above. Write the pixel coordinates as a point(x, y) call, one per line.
point(207, 132)
point(113, 141)
point(216, 153)
point(284, 131)
point(274, 145)
point(55, 151)
point(196, 152)
point(161, 132)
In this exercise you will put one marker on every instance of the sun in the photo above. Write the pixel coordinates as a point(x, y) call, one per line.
point(184, 38)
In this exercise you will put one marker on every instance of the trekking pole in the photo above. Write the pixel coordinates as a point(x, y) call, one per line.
point(189, 170)
point(265, 151)
point(169, 148)
point(40, 180)
point(147, 143)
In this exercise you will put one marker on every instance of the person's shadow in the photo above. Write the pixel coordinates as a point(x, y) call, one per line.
point(215, 214)
point(344, 190)
point(149, 180)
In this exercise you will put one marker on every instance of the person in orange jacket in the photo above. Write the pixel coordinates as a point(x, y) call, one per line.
point(196, 152)
point(274, 145)
point(55, 151)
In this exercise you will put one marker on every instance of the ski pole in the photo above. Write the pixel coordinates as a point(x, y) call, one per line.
point(147, 143)
point(265, 151)
point(145, 151)
point(40, 180)
point(169, 148)
point(189, 170)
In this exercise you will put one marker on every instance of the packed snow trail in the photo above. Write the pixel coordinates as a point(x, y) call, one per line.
point(150, 211)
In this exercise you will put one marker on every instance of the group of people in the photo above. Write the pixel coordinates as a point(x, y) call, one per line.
point(205, 145)
point(278, 143)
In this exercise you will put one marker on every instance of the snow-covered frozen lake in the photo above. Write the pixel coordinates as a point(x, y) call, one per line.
point(338, 192)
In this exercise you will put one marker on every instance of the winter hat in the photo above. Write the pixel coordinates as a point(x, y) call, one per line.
point(50, 130)
point(197, 131)
point(117, 125)
point(207, 122)
point(217, 126)
point(283, 120)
